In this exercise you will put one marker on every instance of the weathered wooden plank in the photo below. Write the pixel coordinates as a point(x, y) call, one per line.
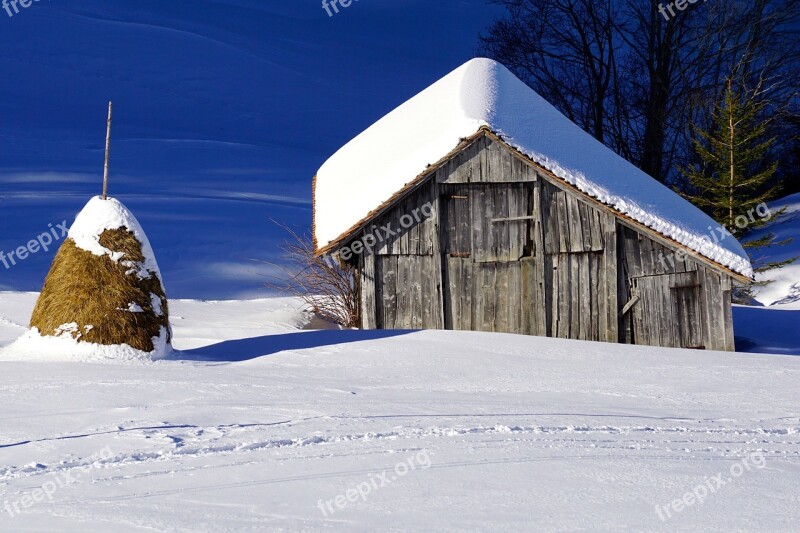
point(416, 274)
point(367, 287)
point(640, 333)
point(468, 319)
point(515, 306)
point(582, 309)
point(480, 208)
point(667, 336)
point(489, 296)
point(714, 309)
point(574, 225)
point(550, 219)
point(511, 231)
point(502, 297)
point(565, 295)
point(609, 319)
point(427, 292)
point(727, 316)
point(539, 290)
point(452, 291)
point(551, 292)
point(706, 306)
point(402, 316)
point(596, 298)
point(438, 275)
point(633, 253)
point(572, 294)
point(587, 224)
point(484, 161)
point(597, 230)
point(527, 282)
point(500, 247)
point(563, 221)
point(387, 270)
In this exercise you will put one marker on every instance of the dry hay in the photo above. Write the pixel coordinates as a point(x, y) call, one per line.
point(96, 293)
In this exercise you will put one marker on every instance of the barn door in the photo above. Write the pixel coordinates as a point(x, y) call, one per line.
point(667, 311)
point(485, 239)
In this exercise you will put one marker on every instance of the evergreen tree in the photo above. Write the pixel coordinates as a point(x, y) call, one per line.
point(734, 176)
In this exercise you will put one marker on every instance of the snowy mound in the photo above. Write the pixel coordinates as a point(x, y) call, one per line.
point(367, 171)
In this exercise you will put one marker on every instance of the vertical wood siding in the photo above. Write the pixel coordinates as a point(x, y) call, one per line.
point(510, 250)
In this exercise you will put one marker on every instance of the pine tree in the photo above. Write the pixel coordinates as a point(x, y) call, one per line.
point(734, 176)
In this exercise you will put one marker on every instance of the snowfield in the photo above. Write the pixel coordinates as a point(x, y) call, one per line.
point(259, 425)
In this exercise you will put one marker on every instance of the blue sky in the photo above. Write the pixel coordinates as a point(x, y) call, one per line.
point(223, 112)
point(264, 75)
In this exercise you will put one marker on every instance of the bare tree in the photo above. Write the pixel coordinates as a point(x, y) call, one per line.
point(635, 76)
point(566, 50)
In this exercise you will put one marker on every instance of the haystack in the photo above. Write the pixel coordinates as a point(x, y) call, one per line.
point(104, 287)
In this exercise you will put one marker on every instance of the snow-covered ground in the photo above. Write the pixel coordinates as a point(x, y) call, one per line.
point(774, 328)
point(259, 425)
point(784, 289)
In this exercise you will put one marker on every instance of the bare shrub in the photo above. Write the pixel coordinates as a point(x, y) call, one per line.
point(326, 285)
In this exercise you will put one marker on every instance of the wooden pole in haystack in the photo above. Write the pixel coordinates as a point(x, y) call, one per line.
point(108, 149)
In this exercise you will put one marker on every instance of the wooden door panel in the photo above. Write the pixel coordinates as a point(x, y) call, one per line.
point(668, 311)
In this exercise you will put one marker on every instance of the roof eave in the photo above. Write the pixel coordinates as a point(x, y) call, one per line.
point(485, 130)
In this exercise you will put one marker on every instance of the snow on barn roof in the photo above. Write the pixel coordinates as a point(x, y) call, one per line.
point(382, 160)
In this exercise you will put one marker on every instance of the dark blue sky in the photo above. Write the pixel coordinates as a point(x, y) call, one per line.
point(223, 112)
point(281, 81)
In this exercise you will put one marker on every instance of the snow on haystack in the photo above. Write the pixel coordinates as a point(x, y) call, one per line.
point(368, 170)
point(100, 215)
point(104, 297)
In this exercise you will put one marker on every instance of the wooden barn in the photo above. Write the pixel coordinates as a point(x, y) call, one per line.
point(477, 206)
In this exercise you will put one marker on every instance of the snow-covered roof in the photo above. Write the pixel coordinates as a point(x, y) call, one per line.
point(381, 161)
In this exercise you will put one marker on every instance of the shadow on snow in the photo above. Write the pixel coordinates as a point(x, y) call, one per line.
point(235, 351)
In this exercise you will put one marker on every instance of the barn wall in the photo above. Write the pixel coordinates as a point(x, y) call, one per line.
point(511, 250)
point(400, 274)
point(492, 277)
point(580, 279)
point(682, 302)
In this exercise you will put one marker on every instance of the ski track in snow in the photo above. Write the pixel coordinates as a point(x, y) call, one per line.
point(187, 440)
